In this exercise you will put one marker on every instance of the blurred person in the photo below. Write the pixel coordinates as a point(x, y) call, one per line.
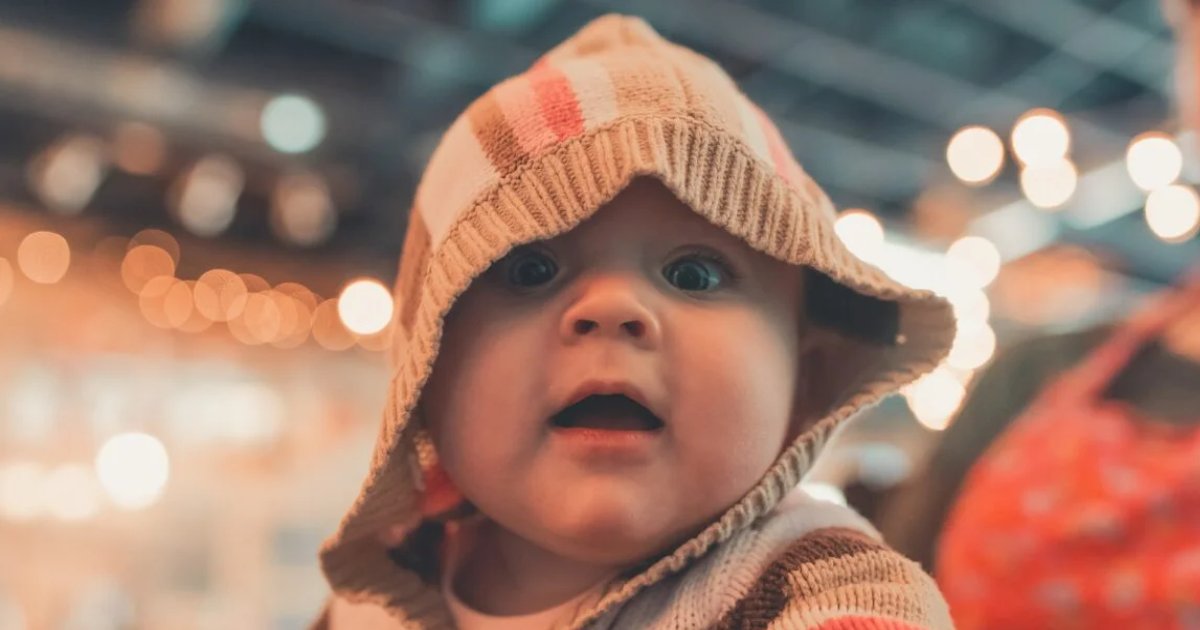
point(625, 331)
point(1067, 492)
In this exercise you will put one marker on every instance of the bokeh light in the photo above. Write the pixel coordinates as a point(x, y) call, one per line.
point(327, 327)
point(1041, 138)
point(302, 210)
point(861, 232)
point(139, 148)
point(160, 239)
point(70, 492)
point(1173, 213)
point(44, 257)
point(970, 306)
point(254, 282)
point(220, 295)
point(205, 198)
point(975, 154)
point(976, 258)
point(365, 306)
point(1153, 160)
point(144, 263)
point(1049, 185)
point(974, 345)
point(239, 330)
point(133, 469)
point(262, 318)
point(292, 123)
point(289, 314)
point(299, 292)
point(197, 321)
point(165, 302)
point(935, 398)
point(67, 174)
point(302, 328)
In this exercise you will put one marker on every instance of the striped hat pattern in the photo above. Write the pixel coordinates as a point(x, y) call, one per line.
point(532, 158)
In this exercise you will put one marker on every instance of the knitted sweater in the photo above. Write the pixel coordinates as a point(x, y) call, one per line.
point(809, 564)
point(531, 159)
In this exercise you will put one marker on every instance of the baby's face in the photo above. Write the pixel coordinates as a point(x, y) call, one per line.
point(608, 392)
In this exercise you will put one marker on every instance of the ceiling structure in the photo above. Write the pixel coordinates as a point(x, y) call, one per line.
point(866, 92)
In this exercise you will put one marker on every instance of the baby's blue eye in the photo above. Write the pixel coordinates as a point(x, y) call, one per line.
point(528, 269)
point(693, 274)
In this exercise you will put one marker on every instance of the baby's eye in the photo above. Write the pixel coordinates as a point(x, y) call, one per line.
point(529, 268)
point(695, 273)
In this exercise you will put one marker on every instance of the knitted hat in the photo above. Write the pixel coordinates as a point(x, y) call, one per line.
point(532, 158)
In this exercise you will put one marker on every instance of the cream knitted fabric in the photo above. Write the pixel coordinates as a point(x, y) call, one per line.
point(536, 155)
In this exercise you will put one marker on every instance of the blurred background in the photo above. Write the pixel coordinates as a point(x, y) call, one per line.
point(202, 203)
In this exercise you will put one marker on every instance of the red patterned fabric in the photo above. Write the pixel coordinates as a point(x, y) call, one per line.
point(1082, 515)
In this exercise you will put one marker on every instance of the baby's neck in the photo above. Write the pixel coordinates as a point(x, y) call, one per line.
point(504, 574)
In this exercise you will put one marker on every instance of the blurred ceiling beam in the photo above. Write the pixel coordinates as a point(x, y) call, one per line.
point(377, 30)
point(801, 51)
point(387, 31)
point(840, 161)
point(1077, 32)
point(55, 76)
point(72, 81)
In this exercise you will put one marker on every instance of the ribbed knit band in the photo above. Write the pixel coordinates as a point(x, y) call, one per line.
point(533, 158)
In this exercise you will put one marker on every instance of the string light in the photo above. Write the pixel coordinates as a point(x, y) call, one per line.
point(1153, 160)
point(139, 148)
point(1049, 185)
point(328, 329)
point(1173, 213)
point(158, 238)
point(935, 398)
point(66, 175)
point(197, 321)
point(974, 345)
point(44, 257)
point(220, 295)
point(977, 258)
point(133, 469)
point(302, 210)
point(165, 302)
point(300, 332)
point(205, 198)
point(144, 263)
point(262, 317)
point(292, 123)
point(970, 305)
point(1041, 138)
point(861, 232)
point(289, 315)
point(975, 154)
point(365, 306)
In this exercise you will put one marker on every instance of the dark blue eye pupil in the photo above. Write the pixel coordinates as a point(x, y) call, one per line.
point(531, 270)
point(692, 275)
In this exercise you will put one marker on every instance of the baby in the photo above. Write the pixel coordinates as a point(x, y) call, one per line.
point(625, 329)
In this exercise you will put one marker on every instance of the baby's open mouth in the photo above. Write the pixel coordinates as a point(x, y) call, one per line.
point(609, 412)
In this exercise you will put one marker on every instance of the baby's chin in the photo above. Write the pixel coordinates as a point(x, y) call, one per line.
point(603, 526)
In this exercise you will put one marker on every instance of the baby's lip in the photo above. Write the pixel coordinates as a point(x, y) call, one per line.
point(598, 387)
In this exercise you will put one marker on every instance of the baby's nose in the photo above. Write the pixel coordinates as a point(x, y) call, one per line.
point(611, 308)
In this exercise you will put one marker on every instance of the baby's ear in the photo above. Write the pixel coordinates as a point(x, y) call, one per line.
point(441, 496)
point(832, 364)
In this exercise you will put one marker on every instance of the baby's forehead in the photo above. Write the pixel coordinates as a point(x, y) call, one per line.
point(649, 211)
